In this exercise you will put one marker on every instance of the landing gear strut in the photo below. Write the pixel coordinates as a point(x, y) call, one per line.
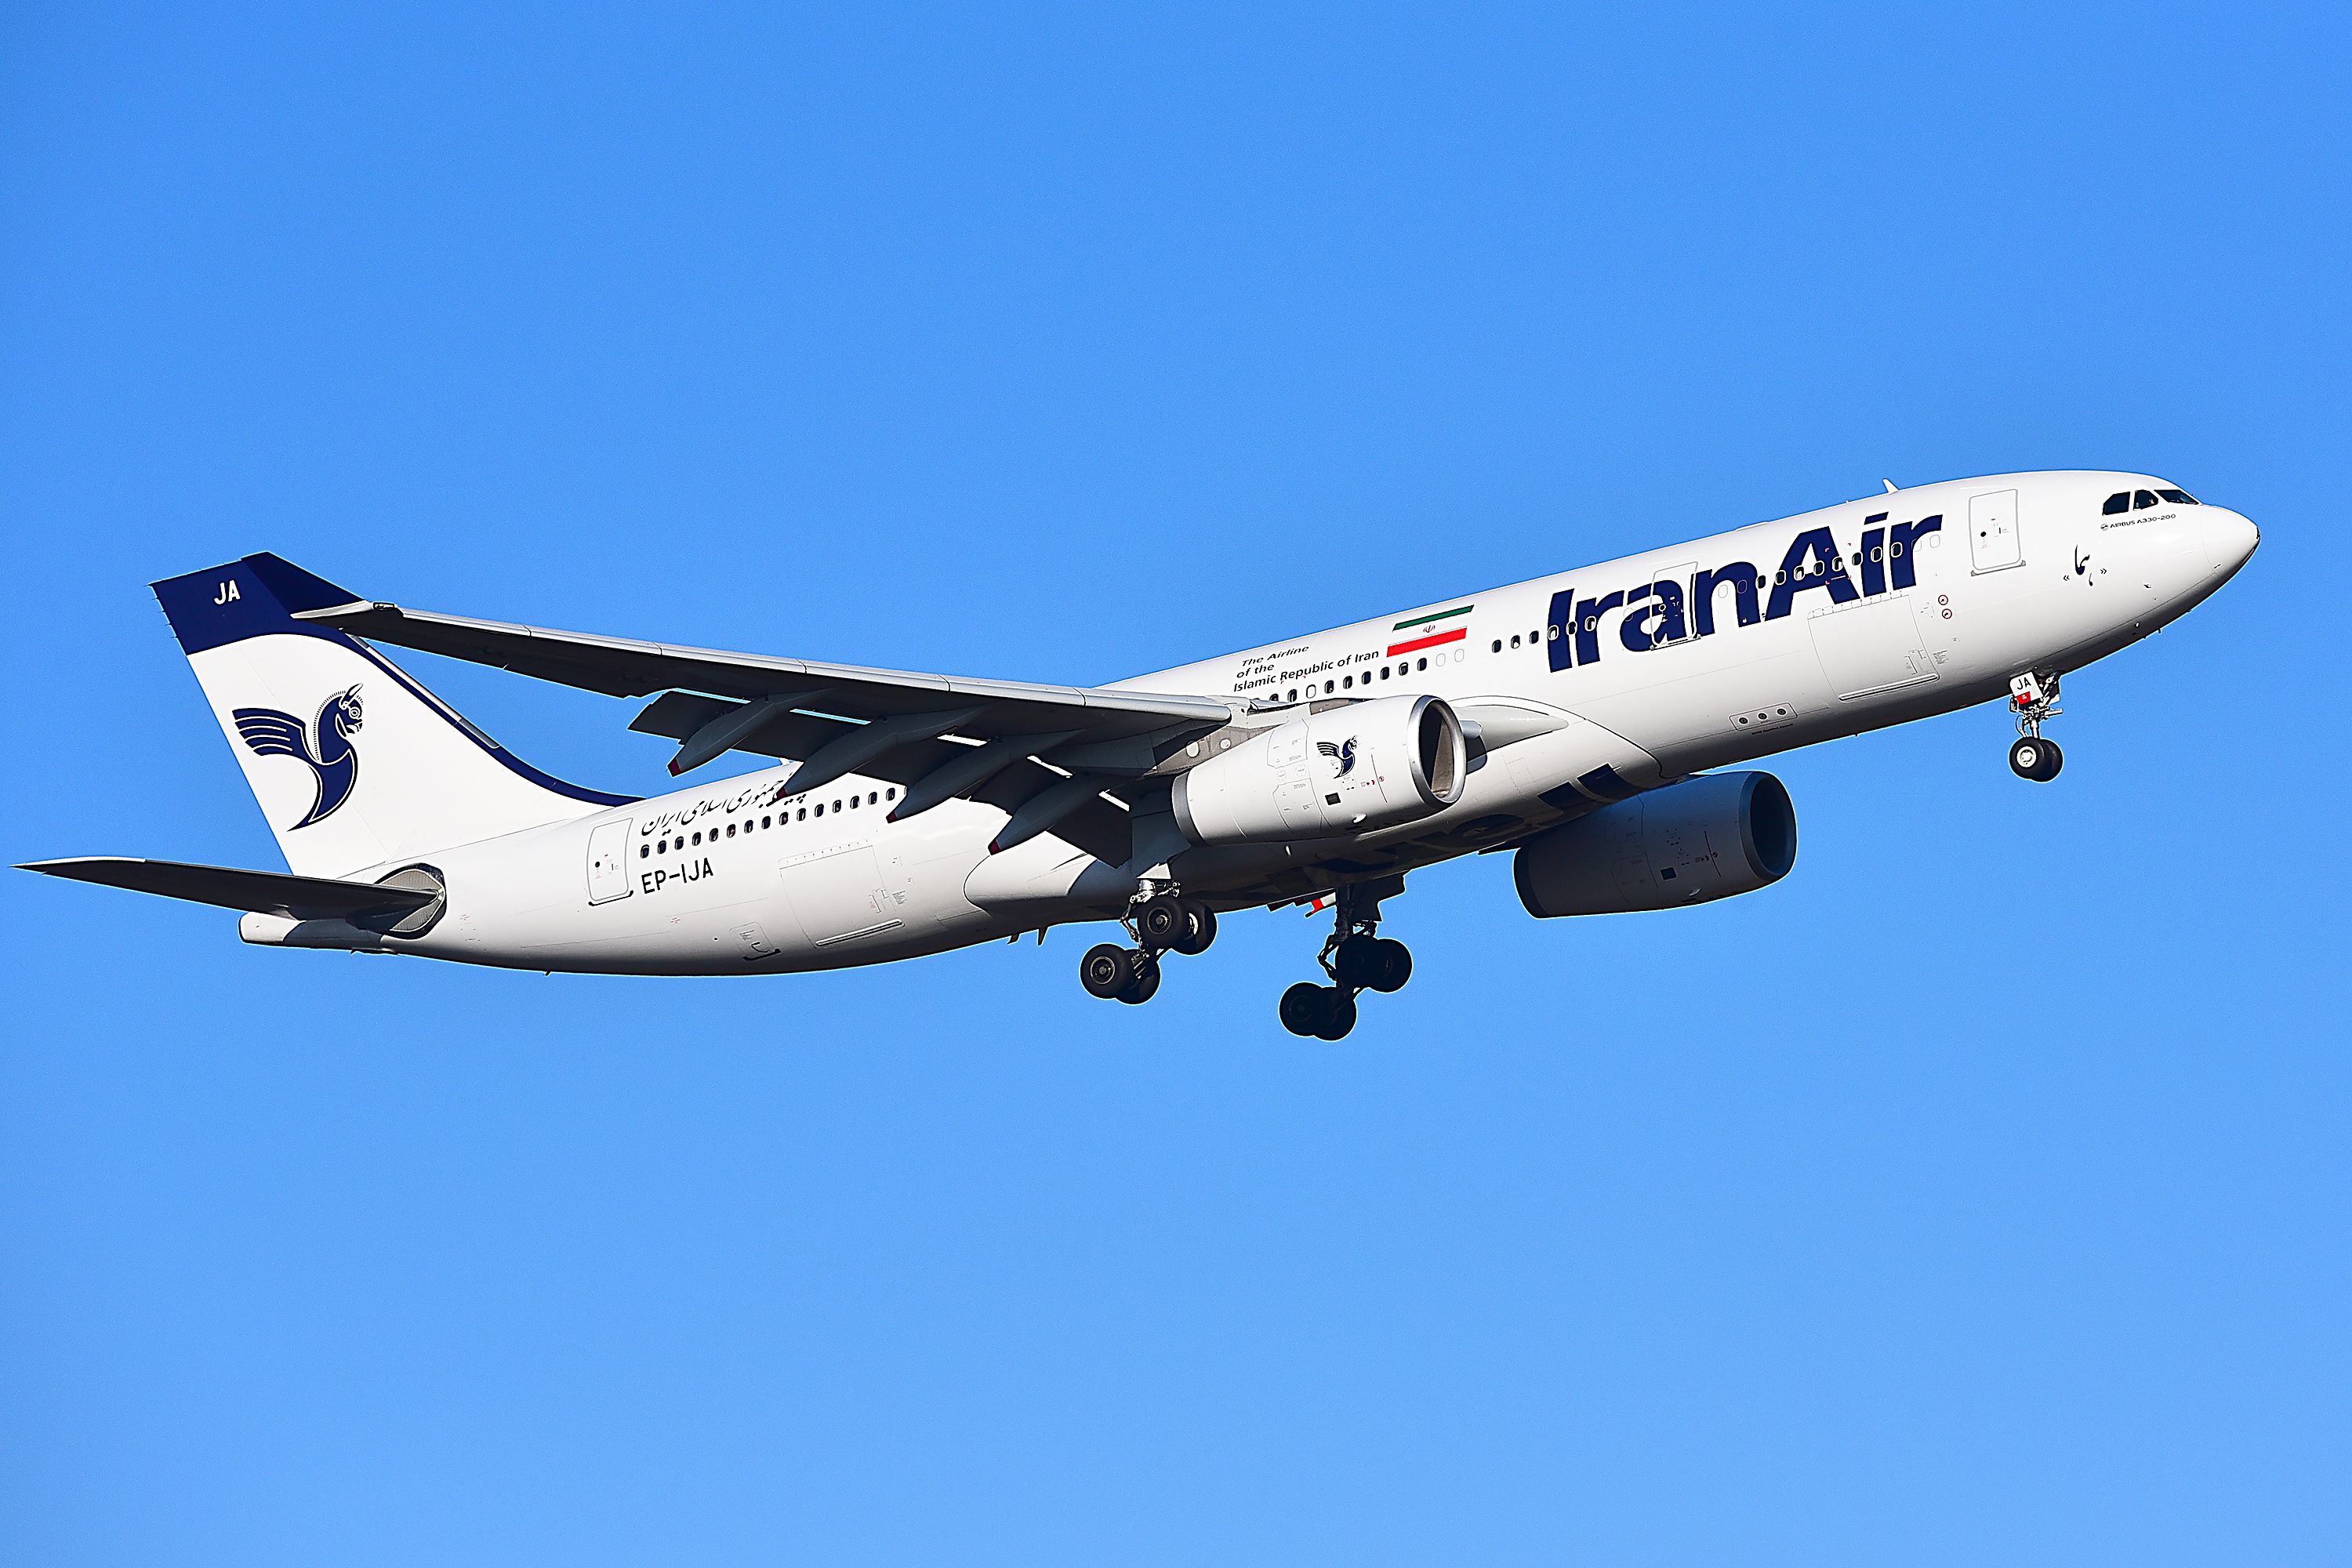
point(1160, 921)
point(1356, 960)
point(2034, 698)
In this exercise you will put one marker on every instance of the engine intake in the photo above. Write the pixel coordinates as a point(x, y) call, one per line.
point(1706, 838)
point(1351, 768)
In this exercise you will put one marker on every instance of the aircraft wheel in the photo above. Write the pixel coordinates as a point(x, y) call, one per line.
point(2034, 758)
point(1357, 961)
point(1145, 984)
point(1305, 1007)
point(1392, 965)
point(1105, 971)
point(1339, 1017)
point(1160, 921)
point(1199, 928)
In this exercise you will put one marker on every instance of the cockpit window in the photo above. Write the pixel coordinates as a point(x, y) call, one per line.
point(2142, 499)
point(2180, 497)
point(2120, 501)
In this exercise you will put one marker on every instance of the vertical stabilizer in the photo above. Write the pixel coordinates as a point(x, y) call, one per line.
point(355, 765)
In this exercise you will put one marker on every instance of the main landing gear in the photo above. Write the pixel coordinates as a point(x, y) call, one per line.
point(1163, 921)
point(1356, 960)
point(2032, 698)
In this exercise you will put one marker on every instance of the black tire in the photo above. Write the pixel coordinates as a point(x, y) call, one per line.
point(1306, 1006)
point(1339, 1017)
point(1145, 984)
point(1199, 929)
point(1358, 963)
point(2053, 760)
point(2029, 757)
point(1160, 923)
point(1394, 966)
point(1105, 971)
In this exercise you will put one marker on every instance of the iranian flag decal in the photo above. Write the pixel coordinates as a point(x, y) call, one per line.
point(1422, 631)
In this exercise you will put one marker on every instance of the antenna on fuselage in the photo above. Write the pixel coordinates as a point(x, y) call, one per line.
point(1889, 484)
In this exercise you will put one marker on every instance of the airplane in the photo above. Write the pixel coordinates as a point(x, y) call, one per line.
point(1590, 723)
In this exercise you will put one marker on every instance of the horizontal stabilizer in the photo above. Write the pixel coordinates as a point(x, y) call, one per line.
point(259, 892)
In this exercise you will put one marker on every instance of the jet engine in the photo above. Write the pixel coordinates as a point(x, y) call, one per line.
point(1346, 770)
point(1705, 837)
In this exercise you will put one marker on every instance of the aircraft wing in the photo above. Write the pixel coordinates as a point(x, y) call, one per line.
point(943, 736)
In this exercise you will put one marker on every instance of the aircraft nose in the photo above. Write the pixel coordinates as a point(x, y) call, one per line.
point(2230, 539)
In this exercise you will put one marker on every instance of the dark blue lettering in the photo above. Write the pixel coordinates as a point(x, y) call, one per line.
point(1905, 543)
point(1741, 575)
point(1873, 570)
point(1587, 625)
point(1659, 622)
point(1816, 545)
point(1562, 619)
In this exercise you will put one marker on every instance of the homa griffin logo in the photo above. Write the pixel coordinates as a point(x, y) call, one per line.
point(333, 761)
point(1344, 753)
point(1660, 612)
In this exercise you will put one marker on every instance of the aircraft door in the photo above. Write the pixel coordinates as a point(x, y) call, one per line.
point(608, 862)
point(1994, 542)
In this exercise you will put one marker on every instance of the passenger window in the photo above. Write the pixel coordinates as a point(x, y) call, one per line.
point(2180, 497)
point(1385, 672)
point(1328, 688)
point(820, 808)
point(644, 850)
point(2120, 501)
point(1347, 680)
point(873, 799)
point(2143, 499)
point(697, 838)
point(1420, 664)
point(1514, 639)
point(803, 815)
point(731, 830)
point(765, 821)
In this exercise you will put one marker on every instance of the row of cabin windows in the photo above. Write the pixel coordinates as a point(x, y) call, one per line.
point(1347, 682)
point(2140, 501)
point(776, 819)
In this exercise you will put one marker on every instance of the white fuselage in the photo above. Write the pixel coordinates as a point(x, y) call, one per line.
point(1563, 676)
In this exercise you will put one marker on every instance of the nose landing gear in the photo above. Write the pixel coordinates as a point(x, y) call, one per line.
point(2034, 698)
point(1356, 960)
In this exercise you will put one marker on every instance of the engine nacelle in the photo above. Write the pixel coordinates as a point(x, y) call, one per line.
point(1346, 770)
point(1706, 838)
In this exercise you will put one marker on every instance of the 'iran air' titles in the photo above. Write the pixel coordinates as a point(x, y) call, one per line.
point(1659, 613)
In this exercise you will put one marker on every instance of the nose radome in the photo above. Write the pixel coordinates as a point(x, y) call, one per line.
point(2230, 539)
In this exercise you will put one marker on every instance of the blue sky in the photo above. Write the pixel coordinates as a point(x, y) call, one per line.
point(1978, 1194)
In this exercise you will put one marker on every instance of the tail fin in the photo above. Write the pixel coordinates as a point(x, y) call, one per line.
point(355, 764)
